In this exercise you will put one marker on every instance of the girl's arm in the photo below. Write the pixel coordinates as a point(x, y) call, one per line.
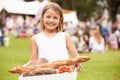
point(71, 46)
point(33, 52)
point(72, 50)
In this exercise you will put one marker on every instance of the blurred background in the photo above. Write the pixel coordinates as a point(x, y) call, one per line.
point(94, 26)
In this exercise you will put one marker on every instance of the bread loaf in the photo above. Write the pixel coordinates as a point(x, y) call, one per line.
point(55, 65)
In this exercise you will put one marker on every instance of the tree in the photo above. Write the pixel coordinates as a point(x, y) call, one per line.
point(114, 8)
point(84, 8)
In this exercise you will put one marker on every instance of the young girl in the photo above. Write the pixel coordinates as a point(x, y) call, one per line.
point(52, 43)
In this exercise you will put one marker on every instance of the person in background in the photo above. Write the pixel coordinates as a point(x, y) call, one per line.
point(82, 46)
point(79, 41)
point(118, 29)
point(52, 43)
point(113, 40)
point(117, 33)
point(36, 27)
point(1, 38)
point(96, 42)
point(1, 31)
point(42, 5)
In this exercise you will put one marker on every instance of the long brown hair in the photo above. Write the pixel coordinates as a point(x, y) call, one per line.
point(98, 36)
point(57, 9)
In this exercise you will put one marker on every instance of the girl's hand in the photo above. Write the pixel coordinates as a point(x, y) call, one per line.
point(30, 63)
point(78, 67)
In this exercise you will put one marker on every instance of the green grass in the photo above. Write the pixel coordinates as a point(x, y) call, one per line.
point(100, 67)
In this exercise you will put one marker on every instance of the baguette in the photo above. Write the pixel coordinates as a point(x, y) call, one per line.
point(40, 71)
point(55, 65)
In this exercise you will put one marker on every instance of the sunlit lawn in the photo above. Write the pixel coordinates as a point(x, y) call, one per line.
point(100, 67)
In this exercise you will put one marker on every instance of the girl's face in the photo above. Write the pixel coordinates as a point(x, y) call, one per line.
point(51, 20)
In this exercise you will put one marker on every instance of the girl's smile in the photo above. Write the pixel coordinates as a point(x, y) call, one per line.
point(51, 19)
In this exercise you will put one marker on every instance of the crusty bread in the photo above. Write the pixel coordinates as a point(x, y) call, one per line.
point(40, 71)
point(55, 65)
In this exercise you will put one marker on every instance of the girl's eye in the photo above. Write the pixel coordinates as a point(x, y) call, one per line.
point(47, 16)
point(55, 17)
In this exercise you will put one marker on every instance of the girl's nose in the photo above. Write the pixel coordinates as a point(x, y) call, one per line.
point(51, 20)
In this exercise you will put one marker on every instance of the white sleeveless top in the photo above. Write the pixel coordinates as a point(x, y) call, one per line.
point(95, 46)
point(53, 48)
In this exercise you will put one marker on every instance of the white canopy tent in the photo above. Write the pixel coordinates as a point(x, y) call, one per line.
point(31, 8)
point(70, 16)
point(19, 6)
point(1, 6)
